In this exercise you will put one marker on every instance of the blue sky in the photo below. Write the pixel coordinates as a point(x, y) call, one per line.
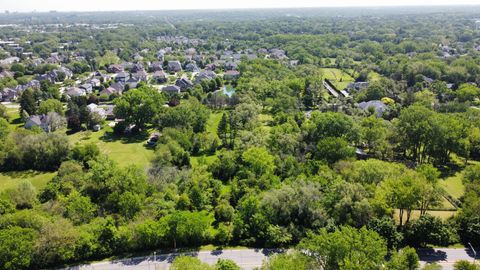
point(102, 5)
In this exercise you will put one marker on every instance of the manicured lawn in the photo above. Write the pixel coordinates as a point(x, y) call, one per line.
point(338, 77)
point(10, 180)
point(453, 185)
point(127, 150)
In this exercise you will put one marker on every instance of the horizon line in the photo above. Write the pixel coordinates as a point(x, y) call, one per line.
point(4, 11)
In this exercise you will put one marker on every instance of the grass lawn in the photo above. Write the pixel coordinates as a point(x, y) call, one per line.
point(444, 215)
point(374, 76)
point(10, 180)
point(454, 185)
point(127, 150)
point(213, 121)
point(338, 77)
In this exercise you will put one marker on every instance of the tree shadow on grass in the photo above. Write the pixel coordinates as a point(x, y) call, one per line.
point(23, 174)
point(141, 136)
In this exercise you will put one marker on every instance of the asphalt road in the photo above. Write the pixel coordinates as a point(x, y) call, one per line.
point(248, 259)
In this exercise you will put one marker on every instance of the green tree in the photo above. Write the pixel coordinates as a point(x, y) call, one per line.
point(346, 248)
point(405, 259)
point(187, 228)
point(333, 149)
point(16, 247)
point(28, 102)
point(465, 265)
point(288, 261)
point(226, 264)
point(50, 105)
point(139, 106)
point(189, 263)
point(259, 160)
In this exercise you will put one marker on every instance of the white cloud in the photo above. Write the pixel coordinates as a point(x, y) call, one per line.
point(97, 5)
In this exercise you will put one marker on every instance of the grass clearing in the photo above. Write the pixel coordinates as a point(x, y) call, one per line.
point(443, 215)
point(453, 185)
point(337, 77)
point(38, 179)
point(213, 121)
point(125, 150)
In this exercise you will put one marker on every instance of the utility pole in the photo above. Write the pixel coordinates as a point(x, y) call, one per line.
point(474, 252)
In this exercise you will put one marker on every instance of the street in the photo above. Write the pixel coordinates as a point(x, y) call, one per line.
point(248, 259)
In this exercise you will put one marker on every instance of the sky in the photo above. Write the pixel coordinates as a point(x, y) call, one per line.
point(106, 5)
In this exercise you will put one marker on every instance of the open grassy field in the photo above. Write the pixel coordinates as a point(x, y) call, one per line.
point(444, 215)
point(130, 150)
point(453, 185)
point(10, 180)
point(339, 78)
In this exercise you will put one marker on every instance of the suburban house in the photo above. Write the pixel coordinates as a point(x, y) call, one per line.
point(137, 67)
point(109, 91)
point(93, 108)
point(378, 105)
point(155, 66)
point(115, 68)
point(192, 67)
point(122, 77)
point(132, 82)
point(231, 75)
point(357, 86)
point(87, 87)
point(184, 83)
point(41, 121)
point(174, 66)
point(160, 76)
point(8, 94)
point(140, 75)
point(205, 75)
point(75, 92)
point(171, 89)
point(119, 87)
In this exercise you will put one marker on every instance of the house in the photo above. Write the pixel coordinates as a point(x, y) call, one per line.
point(109, 91)
point(41, 121)
point(155, 66)
point(93, 108)
point(122, 77)
point(205, 75)
point(192, 67)
point(8, 94)
point(132, 82)
point(119, 87)
point(357, 86)
point(115, 68)
point(174, 66)
point(184, 83)
point(140, 75)
point(230, 65)
point(87, 87)
point(160, 76)
point(75, 92)
point(378, 105)
point(137, 67)
point(109, 112)
point(211, 67)
point(231, 75)
point(171, 89)
point(95, 82)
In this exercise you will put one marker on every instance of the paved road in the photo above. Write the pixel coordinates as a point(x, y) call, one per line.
point(248, 259)
point(446, 257)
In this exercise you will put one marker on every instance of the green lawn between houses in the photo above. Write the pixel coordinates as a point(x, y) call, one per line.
point(337, 77)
